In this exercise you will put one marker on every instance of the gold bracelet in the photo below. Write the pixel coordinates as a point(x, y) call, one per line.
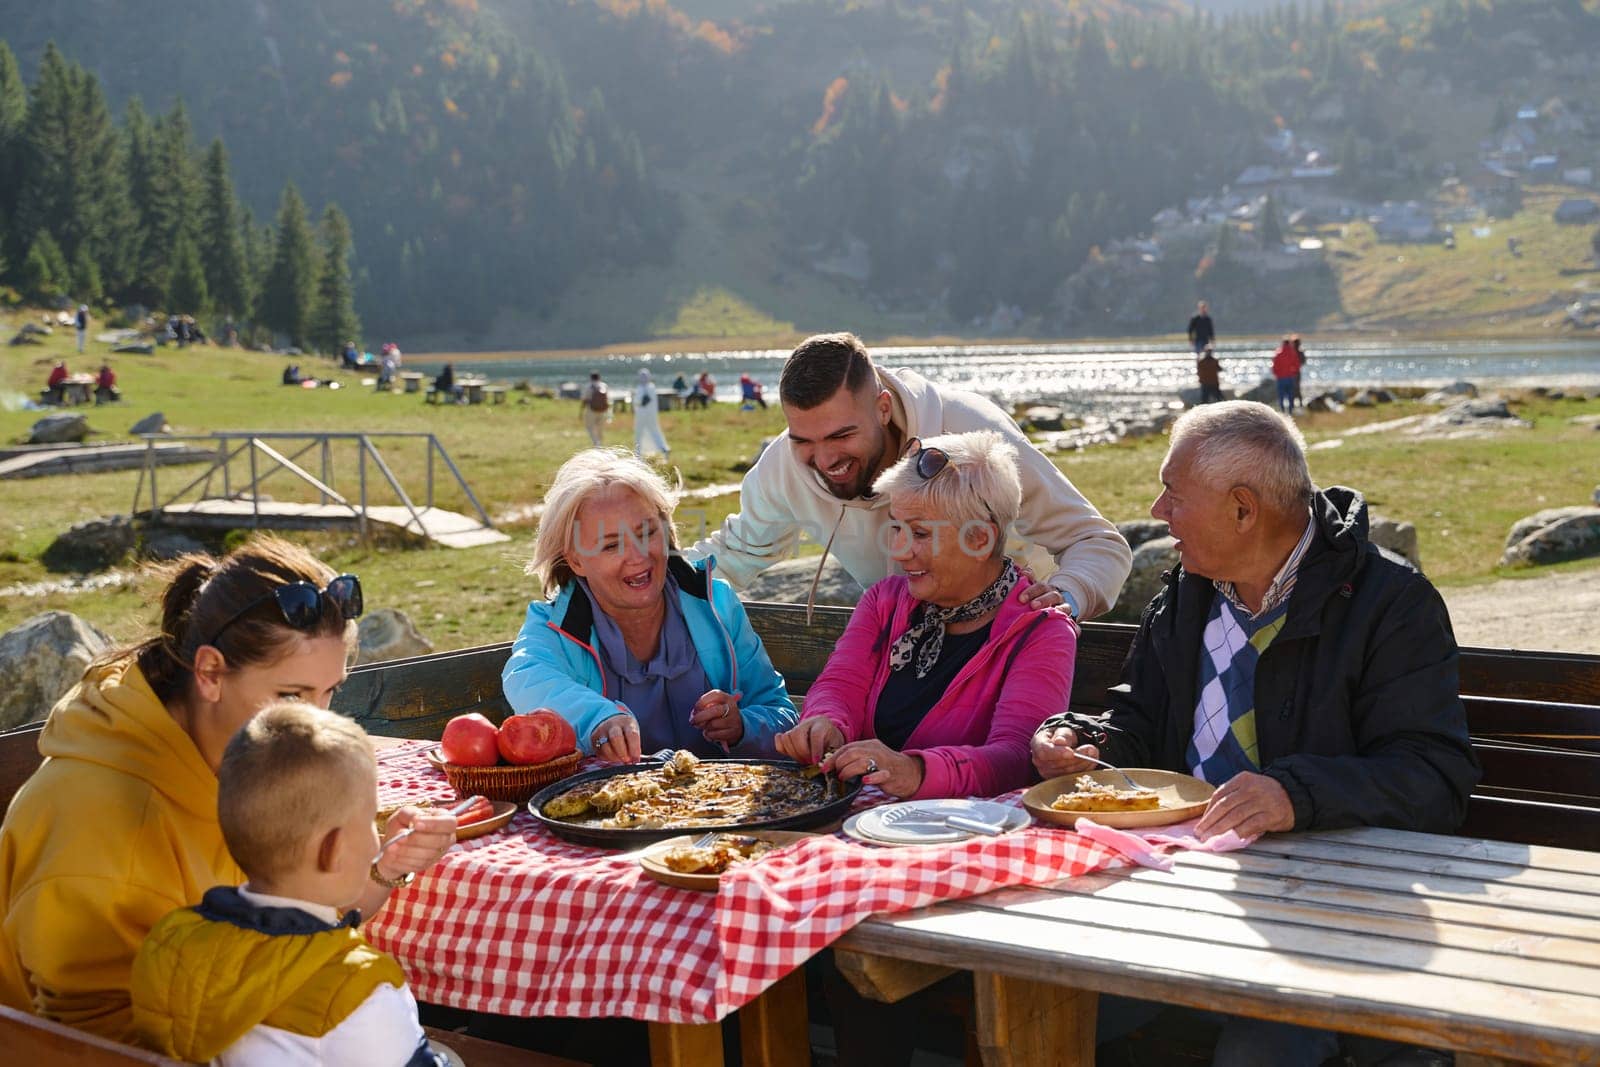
point(392, 883)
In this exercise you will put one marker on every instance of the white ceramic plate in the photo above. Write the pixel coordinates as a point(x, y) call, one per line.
point(884, 824)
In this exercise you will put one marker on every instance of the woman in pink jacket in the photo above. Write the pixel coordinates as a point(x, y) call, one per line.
point(943, 674)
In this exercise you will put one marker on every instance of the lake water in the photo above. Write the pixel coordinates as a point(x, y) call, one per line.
point(1082, 376)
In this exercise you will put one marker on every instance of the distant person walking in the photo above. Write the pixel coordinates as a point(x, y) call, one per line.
point(1300, 353)
point(82, 322)
point(1202, 331)
point(596, 405)
point(1285, 371)
point(1209, 372)
point(647, 418)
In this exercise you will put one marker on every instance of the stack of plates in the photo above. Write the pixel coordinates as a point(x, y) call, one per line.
point(922, 822)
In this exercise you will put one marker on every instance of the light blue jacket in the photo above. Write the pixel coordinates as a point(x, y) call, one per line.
point(555, 663)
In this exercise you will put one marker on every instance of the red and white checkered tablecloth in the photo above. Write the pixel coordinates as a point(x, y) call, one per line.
point(523, 923)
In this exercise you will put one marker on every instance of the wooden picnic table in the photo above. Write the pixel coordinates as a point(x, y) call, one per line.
point(412, 380)
point(1486, 947)
point(78, 388)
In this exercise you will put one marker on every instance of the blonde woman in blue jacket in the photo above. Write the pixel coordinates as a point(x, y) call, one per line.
point(637, 648)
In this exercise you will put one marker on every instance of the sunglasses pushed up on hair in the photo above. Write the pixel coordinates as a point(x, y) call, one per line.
point(304, 605)
point(926, 459)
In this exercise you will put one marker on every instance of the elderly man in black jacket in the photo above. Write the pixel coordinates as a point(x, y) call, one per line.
point(1307, 673)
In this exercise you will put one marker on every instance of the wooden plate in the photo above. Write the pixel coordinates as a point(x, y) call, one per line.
point(1182, 797)
point(707, 883)
point(503, 812)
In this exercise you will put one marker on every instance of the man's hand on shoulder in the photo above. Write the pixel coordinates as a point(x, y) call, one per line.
point(1248, 804)
point(1042, 595)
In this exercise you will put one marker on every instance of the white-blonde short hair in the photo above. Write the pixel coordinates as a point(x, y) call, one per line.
point(980, 484)
point(585, 474)
point(1241, 442)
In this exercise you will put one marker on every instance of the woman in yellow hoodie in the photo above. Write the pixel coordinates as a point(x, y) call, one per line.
point(119, 827)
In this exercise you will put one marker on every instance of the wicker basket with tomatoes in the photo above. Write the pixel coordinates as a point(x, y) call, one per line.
point(509, 762)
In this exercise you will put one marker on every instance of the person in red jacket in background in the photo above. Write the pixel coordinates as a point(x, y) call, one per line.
point(1285, 369)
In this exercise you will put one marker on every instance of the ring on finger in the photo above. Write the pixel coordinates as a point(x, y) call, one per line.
point(724, 714)
point(872, 766)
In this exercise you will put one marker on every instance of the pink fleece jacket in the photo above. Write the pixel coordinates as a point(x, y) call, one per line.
point(974, 741)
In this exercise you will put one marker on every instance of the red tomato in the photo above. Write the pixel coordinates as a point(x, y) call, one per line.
point(469, 740)
point(537, 737)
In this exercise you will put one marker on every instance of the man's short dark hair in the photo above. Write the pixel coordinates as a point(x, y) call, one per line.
point(820, 365)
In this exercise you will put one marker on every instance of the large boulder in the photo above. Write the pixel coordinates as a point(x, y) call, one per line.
point(1398, 537)
point(1045, 417)
point(1331, 402)
point(155, 422)
point(164, 543)
point(788, 582)
point(1264, 392)
point(1139, 531)
point(388, 633)
point(1450, 393)
point(42, 659)
point(92, 545)
point(1151, 560)
point(59, 429)
point(1553, 536)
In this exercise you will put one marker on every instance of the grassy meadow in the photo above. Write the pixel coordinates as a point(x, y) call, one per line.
point(1476, 288)
point(1463, 495)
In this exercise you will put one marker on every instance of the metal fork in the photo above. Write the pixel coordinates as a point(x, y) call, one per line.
point(958, 822)
point(1111, 767)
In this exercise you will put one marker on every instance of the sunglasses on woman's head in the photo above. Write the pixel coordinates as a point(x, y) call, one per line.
point(927, 460)
point(302, 603)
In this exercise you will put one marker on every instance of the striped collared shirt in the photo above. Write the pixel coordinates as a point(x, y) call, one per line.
point(1282, 585)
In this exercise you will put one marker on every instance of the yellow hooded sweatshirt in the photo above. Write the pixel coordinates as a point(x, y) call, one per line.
point(115, 830)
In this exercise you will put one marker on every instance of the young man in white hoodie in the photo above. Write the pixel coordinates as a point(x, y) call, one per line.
point(848, 422)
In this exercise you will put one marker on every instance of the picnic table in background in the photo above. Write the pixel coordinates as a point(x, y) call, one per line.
point(522, 923)
point(78, 388)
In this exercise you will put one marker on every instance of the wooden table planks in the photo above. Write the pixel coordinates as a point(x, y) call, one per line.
point(1485, 947)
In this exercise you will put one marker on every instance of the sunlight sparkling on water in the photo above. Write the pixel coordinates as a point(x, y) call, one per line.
point(1084, 375)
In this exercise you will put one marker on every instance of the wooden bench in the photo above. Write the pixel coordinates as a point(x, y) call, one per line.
point(1534, 716)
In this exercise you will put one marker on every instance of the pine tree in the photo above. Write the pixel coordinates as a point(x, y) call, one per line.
point(86, 283)
point(44, 272)
point(13, 123)
point(147, 256)
point(186, 294)
point(71, 162)
point(334, 320)
point(291, 283)
point(220, 244)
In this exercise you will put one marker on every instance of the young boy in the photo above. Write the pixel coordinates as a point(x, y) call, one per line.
point(274, 972)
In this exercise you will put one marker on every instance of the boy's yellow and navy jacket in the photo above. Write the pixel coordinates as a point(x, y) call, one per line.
point(115, 830)
point(235, 982)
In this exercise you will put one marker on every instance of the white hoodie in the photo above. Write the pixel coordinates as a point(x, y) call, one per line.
point(780, 498)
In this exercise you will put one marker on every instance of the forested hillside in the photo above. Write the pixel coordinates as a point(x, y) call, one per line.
point(559, 165)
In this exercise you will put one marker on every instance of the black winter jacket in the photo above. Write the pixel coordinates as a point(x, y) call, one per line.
point(1358, 713)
